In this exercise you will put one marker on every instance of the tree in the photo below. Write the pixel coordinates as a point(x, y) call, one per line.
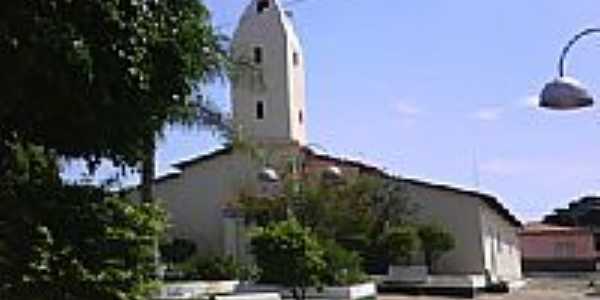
point(288, 254)
point(69, 242)
point(435, 241)
point(91, 79)
point(400, 243)
point(353, 213)
point(108, 72)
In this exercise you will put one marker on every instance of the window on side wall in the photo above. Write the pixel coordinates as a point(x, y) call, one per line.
point(296, 58)
point(499, 243)
point(260, 110)
point(257, 55)
point(564, 249)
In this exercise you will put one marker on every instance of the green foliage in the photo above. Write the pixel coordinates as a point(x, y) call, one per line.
point(62, 241)
point(177, 251)
point(343, 266)
point(288, 254)
point(110, 73)
point(214, 268)
point(353, 213)
point(95, 79)
point(400, 243)
point(435, 241)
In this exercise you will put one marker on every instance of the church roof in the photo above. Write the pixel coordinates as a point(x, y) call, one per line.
point(203, 157)
point(491, 201)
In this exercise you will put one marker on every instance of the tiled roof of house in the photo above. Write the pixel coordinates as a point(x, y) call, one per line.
point(542, 228)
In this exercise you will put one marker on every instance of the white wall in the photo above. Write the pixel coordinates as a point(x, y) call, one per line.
point(460, 215)
point(500, 241)
point(196, 199)
point(276, 81)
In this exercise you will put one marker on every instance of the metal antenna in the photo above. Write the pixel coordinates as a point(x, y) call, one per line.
point(475, 168)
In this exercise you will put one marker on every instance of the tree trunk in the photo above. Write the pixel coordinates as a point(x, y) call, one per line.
point(148, 172)
point(147, 191)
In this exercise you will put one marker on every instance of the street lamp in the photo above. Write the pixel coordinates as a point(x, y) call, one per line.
point(269, 175)
point(565, 93)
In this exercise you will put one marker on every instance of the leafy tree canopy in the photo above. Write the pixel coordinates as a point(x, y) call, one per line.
point(92, 78)
point(290, 255)
point(61, 241)
point(435, 241)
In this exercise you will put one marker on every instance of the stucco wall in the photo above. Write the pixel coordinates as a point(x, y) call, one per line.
point(500, 241)
point(460, 215)
point(196, 199)
point(275, 81)
point(543, 246)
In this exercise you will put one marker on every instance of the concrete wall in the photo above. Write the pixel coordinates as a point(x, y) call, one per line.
point(196, 199)
point(460, 215)
point(500, 241)
point(277, 82)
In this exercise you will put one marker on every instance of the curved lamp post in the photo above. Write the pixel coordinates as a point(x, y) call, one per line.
point(564, 93)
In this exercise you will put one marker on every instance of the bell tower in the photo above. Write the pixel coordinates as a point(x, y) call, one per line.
point(268, 90)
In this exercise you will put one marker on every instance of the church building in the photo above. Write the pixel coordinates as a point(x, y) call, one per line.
point(269, 108)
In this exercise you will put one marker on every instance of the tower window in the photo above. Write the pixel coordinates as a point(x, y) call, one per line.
point(296, 58)
point(301, 117)
point(260, 110)
point(262, 5)
point(258, 55)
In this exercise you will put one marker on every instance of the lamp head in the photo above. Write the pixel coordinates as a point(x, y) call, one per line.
point(268, 175)
point(564, 93)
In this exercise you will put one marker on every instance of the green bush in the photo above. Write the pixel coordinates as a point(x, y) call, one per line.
point(177, 251)
point(400, 243)
point(213, 268)
point(344, 267)
point(290, 255)
point(435, 241)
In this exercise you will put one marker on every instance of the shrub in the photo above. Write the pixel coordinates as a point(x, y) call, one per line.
point(290, 255)
point(400, 243)
point(344, 267)
point(177, 251)
point(212, 268)
point(435, 241)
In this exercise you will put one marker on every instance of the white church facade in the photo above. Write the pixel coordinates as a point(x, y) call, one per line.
point(269, 108)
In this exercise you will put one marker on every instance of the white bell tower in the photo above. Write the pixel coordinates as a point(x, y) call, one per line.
point(268, 83)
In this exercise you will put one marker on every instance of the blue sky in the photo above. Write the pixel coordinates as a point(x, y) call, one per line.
point(442, 91)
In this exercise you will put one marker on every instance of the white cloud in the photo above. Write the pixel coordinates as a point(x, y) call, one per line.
point(529, 101)
point(407, 109)
point(488, 114)
point(541, 168)
point(504, 167)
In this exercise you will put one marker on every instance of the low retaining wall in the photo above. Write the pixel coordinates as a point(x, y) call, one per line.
point(442, 285)
point(195, 289)
point(559, 265)
point(357, 291)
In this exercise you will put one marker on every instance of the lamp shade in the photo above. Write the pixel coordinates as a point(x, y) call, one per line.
point(268, 175)
point(565, 93)
point(332, 173)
